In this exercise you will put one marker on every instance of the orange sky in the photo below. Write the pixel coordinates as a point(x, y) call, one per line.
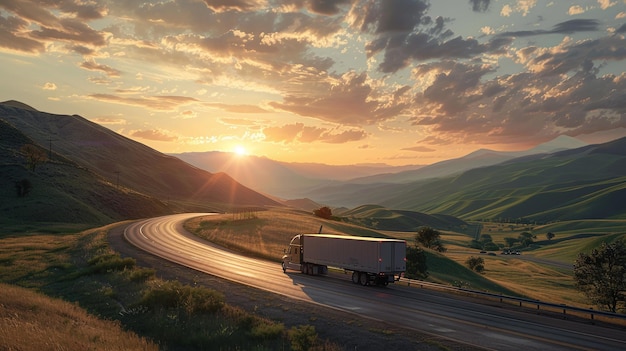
point(336, 82)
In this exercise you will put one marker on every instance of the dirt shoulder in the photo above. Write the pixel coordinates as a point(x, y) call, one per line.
point(351, 331)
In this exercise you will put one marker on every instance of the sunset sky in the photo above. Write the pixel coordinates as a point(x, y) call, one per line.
point(338, 82)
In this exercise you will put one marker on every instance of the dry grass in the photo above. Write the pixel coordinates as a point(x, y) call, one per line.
point(266, 233)
point(30, 321)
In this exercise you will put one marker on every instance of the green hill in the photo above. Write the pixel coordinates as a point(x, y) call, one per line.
point(584, 183)
point(90, 174)
point(381, 218)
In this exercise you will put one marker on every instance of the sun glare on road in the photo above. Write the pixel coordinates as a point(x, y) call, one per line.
point(240, 150)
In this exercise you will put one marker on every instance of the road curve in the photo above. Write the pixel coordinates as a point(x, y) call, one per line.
point(423, 310)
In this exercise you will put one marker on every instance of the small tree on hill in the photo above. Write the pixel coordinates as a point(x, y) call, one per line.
point(34, 155)
point(430, 238)
point(550, 235)
point(601, 275)
point(416, 267)
point(476, 264)
point(324, 212)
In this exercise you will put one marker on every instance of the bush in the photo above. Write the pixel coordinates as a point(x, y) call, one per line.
point(267, 330)
point(476, 264)
point(302, 338)
point(174, 295)
point(109, 263)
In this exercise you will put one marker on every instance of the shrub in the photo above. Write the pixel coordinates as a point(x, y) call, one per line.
point(174, 295)
point(302, 338)
point(476, 264)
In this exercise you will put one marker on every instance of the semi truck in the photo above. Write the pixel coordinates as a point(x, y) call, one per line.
point(372, 261)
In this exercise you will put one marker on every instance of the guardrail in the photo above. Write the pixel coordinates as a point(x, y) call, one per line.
point(523, 302)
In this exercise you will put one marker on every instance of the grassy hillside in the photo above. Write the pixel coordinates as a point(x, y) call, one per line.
point(126, 163)
point(381, 218)
point(57, 325)
point(583, 183)
point(267, 233)
point(62, 191)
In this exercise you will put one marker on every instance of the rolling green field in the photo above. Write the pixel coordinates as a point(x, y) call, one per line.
point(80, 267)
point(548, 278)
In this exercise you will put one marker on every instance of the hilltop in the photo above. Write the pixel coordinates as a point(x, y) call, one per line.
point(91, 174)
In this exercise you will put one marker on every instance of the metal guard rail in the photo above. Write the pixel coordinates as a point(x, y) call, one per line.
point(584, 311)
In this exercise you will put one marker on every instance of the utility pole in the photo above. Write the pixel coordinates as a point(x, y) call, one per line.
point(50, 140)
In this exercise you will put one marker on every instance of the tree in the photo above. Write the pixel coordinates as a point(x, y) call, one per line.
point(550, 235)
point(34, 155)
point(430, 238)
point(476, 264)
point(416, 267)
point(526, 239)
point(323, 212)
point(601, 275)
point(23, 187)
point(510, 242)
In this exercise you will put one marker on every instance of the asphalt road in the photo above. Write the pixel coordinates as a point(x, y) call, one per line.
point(476, 324)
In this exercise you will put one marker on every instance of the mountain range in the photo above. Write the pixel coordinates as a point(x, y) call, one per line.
point(294, 180)
point(95, 175)
point(100, 175)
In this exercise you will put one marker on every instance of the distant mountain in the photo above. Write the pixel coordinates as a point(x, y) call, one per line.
point(582, 183)
point(116, 160)
point(281, 179)
point(478, 158)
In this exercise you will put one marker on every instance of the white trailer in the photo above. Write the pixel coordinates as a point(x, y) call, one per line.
point(377, 261)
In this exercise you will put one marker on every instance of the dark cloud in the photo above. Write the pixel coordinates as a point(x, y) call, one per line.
point(567, 27)
point(480, 5)
point(405, 33)
point(327, 7)
point(622, 29)
point(566, 93)
point(9, 27)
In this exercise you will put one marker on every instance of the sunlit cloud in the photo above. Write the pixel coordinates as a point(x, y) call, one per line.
point(49, 86)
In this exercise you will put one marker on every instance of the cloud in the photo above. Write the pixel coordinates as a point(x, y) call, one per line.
point(110, 121)
point(49, 86)
point(348, 100)
point(298, 132)
point(562, 92)
point(480, 5)
point(160, 103)
point(9, 38)
point(419, 149)
point(93, 66)
point(153, 134)
point(567, 27)
point(403, 33)
point(238, 108)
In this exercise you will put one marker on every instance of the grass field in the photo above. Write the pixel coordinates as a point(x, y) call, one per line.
point(80, 269)
point(266, 233)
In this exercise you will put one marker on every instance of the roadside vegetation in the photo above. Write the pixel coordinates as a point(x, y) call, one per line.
point(143, 312)
point(83, 278)
point(543, 270)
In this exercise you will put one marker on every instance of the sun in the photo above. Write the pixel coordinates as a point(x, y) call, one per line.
point(240, 150)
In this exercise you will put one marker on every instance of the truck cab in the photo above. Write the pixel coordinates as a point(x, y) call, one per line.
point(292, 259)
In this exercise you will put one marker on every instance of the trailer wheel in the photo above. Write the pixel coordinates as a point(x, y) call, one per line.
point(355, 277)
point(363, 279)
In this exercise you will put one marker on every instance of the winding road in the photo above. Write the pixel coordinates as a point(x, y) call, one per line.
point(426, 311)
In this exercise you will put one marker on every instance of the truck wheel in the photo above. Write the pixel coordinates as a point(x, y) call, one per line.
point(363, 278)
point(355, 277)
